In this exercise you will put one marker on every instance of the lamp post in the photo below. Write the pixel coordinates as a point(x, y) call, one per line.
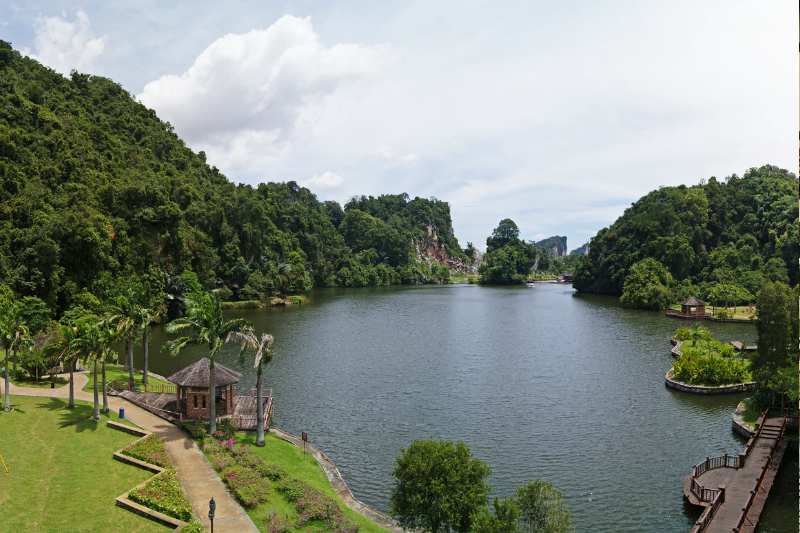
point(212, 507)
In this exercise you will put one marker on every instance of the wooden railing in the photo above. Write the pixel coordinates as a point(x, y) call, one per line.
point(708, 514)
point(161, 388)
point(723, 461)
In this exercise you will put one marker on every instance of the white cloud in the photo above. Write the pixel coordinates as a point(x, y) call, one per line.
point(64, 45)
point(325, 181)
point(245, 95)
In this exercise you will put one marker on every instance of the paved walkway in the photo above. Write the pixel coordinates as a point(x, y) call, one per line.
point(198, 478)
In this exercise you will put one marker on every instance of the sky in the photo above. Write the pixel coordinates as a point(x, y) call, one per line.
point(558, 115)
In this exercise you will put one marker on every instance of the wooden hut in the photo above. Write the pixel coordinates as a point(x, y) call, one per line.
point(693, 307)
point(193, 391)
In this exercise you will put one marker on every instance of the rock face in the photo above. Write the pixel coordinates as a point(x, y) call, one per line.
point(555, 245)
point(430, 248)
point(581, 250)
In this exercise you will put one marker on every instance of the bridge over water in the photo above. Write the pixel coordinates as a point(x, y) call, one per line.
point(734, 488)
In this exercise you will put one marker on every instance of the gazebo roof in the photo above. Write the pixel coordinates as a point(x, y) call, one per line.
point(196, 375)
point(693, 301)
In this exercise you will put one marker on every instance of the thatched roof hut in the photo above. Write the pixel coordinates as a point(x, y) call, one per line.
point(196, 375)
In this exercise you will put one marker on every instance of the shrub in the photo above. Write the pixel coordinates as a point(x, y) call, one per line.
point(248, 487)
point(195, 428)
point(277, 524)
point(150, 449)
point(193, 527)
point(311, 504)
point(700, 368)
point(163, 493)
point(693, 333)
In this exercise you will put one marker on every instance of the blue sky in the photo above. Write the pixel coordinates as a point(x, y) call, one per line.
point(558, 115)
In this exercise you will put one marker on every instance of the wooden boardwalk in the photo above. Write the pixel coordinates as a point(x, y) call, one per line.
point(165, 405)
point(734, 488)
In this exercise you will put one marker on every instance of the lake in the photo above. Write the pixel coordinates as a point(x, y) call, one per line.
point(540, 383)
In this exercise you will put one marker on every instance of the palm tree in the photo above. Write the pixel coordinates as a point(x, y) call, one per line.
point(89, 343)
point(14, 335)
point(63, 345)
point(107, 336)
point(204, 324)
point(262, 354)
point(126, 317)
point(147, 315)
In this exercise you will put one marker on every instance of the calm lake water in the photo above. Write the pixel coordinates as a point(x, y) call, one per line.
point(540, 383)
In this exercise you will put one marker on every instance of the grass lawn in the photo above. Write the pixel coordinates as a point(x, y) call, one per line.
point(43, 383)
point(741, 312)
point(302, 467)
point(62, 475)
point(118, 372)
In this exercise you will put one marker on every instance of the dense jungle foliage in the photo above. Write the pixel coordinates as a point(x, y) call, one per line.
point(93, 183)
point(741, 231)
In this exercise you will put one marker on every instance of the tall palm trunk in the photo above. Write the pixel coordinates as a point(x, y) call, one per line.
point(6, 392)
point(96, 411)
point(259, 410)
point(105, 396)
point(129, 347)
point(71, 402)
point(146, 349)
point(212, 398)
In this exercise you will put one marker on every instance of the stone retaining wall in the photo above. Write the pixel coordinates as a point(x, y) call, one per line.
point(670, 382)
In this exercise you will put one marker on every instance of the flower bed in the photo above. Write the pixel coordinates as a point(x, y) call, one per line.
point(150, 450)
point(163, 493)
point(253, 481)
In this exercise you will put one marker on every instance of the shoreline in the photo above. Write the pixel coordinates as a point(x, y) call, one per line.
point(730, 388)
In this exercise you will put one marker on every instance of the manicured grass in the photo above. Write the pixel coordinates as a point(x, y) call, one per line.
point(43, 383)
point(62, 474)
point(300, 467)
point(741, 312)
point(118, 373)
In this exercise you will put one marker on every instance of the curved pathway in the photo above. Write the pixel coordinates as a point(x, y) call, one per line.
point(199, 480)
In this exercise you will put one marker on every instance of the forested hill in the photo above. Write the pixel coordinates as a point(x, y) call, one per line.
point(740, 231)
point(93, 185)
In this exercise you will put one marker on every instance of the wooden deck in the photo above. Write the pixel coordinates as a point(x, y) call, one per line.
point(165, 405)
point(734, 488)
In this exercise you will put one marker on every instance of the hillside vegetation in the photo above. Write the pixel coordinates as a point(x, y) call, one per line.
point(721, 240)
point(93, 184)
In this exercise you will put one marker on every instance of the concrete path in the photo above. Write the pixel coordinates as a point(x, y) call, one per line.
point(199, 480)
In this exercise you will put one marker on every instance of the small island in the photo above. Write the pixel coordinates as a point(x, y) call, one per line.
point(706, 365)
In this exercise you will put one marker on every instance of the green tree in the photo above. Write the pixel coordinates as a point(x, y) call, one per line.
point(127, 314)
point(774, 326)
point(261, 348)
point(439, 486)
point(204, 324)
point(542, 508)
point(88, 342)
point(503, 520)
point(506, 232)
point(6, 321)
point(647, 285)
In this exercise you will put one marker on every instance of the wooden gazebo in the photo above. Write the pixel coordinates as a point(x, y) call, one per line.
point(193, 391)
point(693, 307)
